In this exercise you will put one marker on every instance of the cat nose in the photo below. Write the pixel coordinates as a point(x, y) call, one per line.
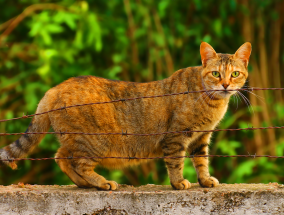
point(225, 86)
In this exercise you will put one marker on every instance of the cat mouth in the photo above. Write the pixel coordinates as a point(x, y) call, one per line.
point(225, 93)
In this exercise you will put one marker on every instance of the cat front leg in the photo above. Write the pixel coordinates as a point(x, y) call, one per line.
point(175, 165)
point(201, 163)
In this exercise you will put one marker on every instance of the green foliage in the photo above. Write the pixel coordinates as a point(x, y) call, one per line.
point(132, 41)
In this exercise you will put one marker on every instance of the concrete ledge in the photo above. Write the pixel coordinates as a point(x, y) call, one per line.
point(149, 199)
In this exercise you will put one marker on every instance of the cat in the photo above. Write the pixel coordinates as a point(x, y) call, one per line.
point(195, 111)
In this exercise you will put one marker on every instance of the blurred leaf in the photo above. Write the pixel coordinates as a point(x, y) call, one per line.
point(229, 147)
point(207, 38)
point(217, 26)
point(53, 28)
point(46, 37)
point(279, 108)
point(242, 170)
point(280, 149)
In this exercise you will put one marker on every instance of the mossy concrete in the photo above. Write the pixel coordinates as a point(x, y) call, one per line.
point(149, 199)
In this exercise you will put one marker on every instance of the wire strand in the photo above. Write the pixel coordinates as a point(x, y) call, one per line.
point(129, 99)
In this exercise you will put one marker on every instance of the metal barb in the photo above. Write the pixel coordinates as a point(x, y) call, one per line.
point(249, 128)
point(61, 133)
point(64, 107)
point(25, 116)
point(70, 157)
point(10, 159)
point(122, 133)
point(131, 158)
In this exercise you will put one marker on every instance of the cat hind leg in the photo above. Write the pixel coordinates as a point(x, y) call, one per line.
point(67, 166)
point(96, 180)
point(81, 172)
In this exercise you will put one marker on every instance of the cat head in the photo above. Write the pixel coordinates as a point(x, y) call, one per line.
point(224, 71)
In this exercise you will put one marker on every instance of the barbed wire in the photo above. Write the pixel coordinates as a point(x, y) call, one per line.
point(135, 134)
point(143, 158)
point(150, 134)
point(142, 97)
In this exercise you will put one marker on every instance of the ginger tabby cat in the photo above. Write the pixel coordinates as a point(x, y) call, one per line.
point(196, 111)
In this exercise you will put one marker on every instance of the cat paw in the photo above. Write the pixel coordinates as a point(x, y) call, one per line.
point(183, 185)
point(208, 182)
point(109, 185)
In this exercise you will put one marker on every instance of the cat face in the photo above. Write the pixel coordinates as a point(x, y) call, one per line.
point(224, 71)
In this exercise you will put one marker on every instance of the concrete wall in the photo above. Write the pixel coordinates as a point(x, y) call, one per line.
point(149, 199)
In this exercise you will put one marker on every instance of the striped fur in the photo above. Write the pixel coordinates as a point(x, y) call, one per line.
point(186, 112)
point(26, 143)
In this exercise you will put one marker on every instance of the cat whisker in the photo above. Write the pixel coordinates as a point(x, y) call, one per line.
point(208, 97)
point(205, 97)
point(213, 95)
point(249, 104)
point(257, 96)
point(197, 99)
point(236, 99)
point(200, 97)
point(262, 99)
point(242, 97)
point(202, 100)
point(246, 101)
point(194, 101)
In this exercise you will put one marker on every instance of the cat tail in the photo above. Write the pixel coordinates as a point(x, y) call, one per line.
point(27, 142)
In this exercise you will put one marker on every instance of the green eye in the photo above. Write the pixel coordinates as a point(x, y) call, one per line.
point(216, 74)
point(235, 74)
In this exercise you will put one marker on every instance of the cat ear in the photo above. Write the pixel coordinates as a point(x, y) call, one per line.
point(243, 53)
point(207, 53)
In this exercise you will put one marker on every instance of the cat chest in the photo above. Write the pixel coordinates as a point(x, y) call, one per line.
point(195, 130)
point(202, 123)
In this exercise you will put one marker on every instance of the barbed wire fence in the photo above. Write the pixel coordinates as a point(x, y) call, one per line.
point(136, 134)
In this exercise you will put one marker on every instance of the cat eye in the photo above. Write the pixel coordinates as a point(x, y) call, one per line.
point(235, 74)
point(216, 74)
